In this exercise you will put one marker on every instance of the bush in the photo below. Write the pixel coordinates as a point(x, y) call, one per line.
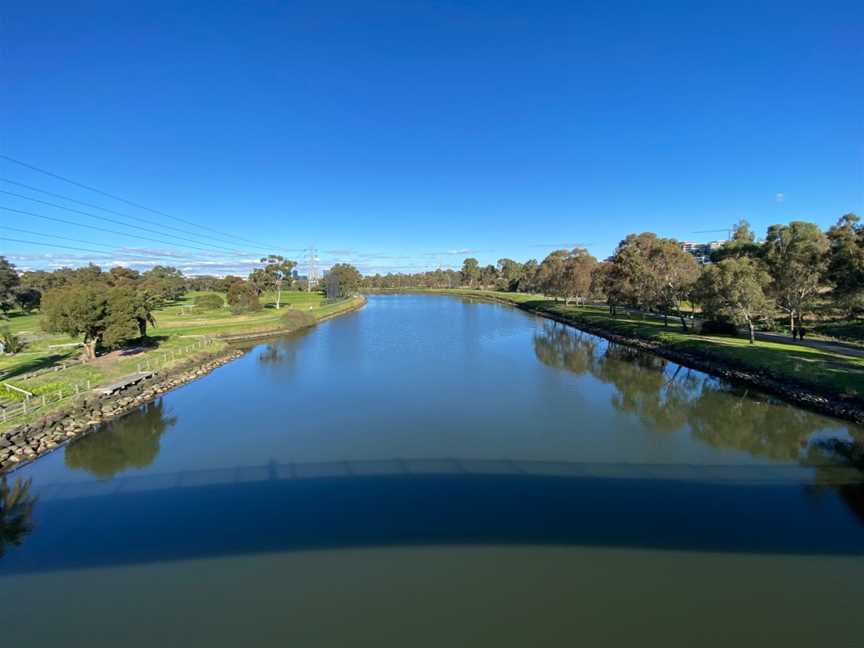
point(10, 342)
point(296, 319)
point(242, 298)
point(209, 302)
point(719, 327)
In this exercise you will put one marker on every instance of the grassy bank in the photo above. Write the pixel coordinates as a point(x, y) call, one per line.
point(50, 367)
point(823, 372)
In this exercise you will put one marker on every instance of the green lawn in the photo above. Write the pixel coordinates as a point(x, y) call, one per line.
point(178, 336)
point(804, 365)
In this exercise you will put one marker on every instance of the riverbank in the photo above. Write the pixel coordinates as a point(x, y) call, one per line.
point(825, 382)
point(45, 431)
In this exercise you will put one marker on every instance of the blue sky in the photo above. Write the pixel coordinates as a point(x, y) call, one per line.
point(401, 135)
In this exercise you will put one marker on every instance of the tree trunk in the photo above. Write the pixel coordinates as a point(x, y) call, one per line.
point(792, 323)
point(665, 319)
point(142, 326)
point(90, 349)
point(752, 332)
point(278, 294)
point(683, 321)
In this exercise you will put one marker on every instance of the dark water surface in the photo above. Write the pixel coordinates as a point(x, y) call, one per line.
point(435, 472)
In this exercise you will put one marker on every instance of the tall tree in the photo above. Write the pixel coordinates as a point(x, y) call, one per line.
point(9, 281)
point(578, 269)
point(845, 269)
point(796, 259)
point(343, 280)
point(276, 271)
point(77, 310)
point(734, 288)
point(509, 273)
point(470, 272)
point(166, 283)
point(673, 273)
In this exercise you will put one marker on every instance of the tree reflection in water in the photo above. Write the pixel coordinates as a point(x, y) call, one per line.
point(129, 442)
point(16, 512)
point(668, 397)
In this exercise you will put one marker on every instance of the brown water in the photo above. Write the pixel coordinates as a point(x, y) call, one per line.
point(430, 471)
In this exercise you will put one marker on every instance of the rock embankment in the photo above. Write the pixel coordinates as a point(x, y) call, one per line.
point(29, 441)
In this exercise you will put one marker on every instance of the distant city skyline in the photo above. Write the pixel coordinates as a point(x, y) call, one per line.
point(404, 137)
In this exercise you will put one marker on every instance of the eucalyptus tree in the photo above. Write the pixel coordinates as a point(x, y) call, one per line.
point(734, 288)
point(276, 271)
point(653, 273)
point(343, 280)
point(845, 269)
point(470, 272)
point(673, 273)
point(796, 258)
point(9, 281)
point(578, 269)
point(509, 274)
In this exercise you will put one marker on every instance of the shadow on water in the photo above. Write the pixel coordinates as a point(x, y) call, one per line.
point(297, 507)
point(131, 441)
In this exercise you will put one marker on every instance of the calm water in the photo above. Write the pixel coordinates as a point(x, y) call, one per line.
point(434, 472)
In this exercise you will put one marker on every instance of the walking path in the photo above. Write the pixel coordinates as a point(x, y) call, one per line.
point(840, 348)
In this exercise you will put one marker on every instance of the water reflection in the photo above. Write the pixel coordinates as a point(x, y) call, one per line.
point(669, 397)
point(128, 442)
point(16, 513)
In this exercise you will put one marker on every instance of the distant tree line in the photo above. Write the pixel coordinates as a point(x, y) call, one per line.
point(745, 283)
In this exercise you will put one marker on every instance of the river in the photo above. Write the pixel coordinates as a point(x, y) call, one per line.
point(431, 471)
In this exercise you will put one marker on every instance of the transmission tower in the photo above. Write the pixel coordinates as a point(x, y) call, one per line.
point(312, 274)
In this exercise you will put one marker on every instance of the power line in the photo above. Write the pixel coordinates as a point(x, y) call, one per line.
point(101, 229)
point(105, 209)
point(56, 245)
point(123, 200)
point(112, 248)
point(114, 220)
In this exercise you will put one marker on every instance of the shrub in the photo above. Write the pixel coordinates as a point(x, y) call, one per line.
point(242, 298)
point(10, 342)
point(719, 327)
point(209, 302)
point(296, 319)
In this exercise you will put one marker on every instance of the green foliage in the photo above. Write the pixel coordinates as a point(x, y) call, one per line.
point(9, 281)
point(209, 302)
point(27, 299)
point(102, 316)
point(242, 298)
point(9, 342)
point(470, 272)
point(734, 289)
point(795, 255)
point(343, 280)
point(164, 283)
point(294, 319)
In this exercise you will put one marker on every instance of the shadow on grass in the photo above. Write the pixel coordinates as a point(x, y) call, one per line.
point(35, 364)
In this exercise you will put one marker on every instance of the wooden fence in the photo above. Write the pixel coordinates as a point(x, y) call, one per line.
point(34, 402)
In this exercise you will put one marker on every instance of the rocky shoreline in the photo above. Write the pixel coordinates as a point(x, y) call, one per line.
point(24, 443)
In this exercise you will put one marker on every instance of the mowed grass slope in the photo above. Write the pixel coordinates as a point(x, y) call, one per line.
point(824, 370)
point(178, 337)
